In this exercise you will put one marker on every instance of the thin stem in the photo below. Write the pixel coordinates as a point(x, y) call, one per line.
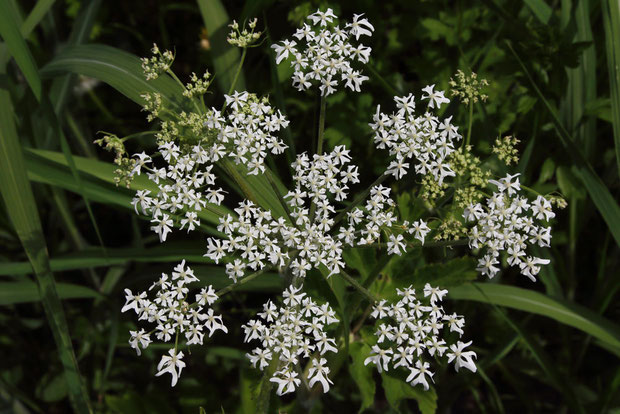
point(279, 194)
point(319, 145)
point(357, 286)
point(243, 281)
point(359, 199)
point(444, 243)
point(471, 119)
point(234, 82)
point(319, 142)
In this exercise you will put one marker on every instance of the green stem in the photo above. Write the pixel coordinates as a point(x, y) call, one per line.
point(276, 190)
point(359, 199)
point(444, 243)
point(319, 145)
point(243, 281)
point(234, 82)
point(471, 119)
point(357, 286)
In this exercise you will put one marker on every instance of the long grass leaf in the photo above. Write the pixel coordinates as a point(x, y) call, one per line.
point(611, 20)
point(50, 167)
point(21, 209)
point(96, 258)
point(123, 71)
point(119, 69)
point(541, 10)
point(35, 16)
point(563, 311)
point(26, 291)
point(17, 47)
point(225, 56)
point(602, 198)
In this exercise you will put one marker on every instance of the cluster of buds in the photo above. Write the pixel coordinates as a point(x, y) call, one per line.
point(245, 37)
point(158, 63)
point(468, 88)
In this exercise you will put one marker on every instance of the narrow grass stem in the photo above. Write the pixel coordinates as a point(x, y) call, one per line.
point(471, 120)
point(359, 199)
point(234, 82)
point(243, 281)
point(357, 286)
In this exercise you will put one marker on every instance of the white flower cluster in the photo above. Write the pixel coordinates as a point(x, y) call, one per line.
point(263, 240)
point(185, 181)
point(507, 223)
point(290, 333)
point(325, 53)
point(425, 138)
point(174, 317)
point(411, 330)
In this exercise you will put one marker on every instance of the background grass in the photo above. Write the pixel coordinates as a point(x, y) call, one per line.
point(70, 241)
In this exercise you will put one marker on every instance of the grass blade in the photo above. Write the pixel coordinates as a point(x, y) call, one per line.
point(611, 19)
point(21, 209)
point(563, 311)
point(51, 167)
point(26, 291)
point(123, 72)
point(36, 15)
point(119, 69)
point(602, 198)
point(225, 57)
point(540, 9)
point(17, 47)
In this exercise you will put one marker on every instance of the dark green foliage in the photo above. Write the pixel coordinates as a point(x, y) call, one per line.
point(69, 246)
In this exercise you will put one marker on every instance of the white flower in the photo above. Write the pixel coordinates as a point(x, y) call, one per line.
point(507, 223)
point(422, 138)
point(169, 364)
point(435, 98)
point(139, 338)
point(462, 359)
point(286, 380)
point(318, 373)
point(324, 54)
point(173, 316)
point(418, 374)
point(292, 331)
point(409, 330)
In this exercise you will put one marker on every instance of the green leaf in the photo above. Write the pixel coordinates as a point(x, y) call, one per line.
point(540, 9)
point(225, 56)
point(18, 48)
point(397, 390)
point(600, 194)
point(563, 311)
point(22, 211)
point(362, 374)
point(611, 20)
point(119, 69)
point(123, 72)
point(36, 15)
point(26, 291)
point(50, 167)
